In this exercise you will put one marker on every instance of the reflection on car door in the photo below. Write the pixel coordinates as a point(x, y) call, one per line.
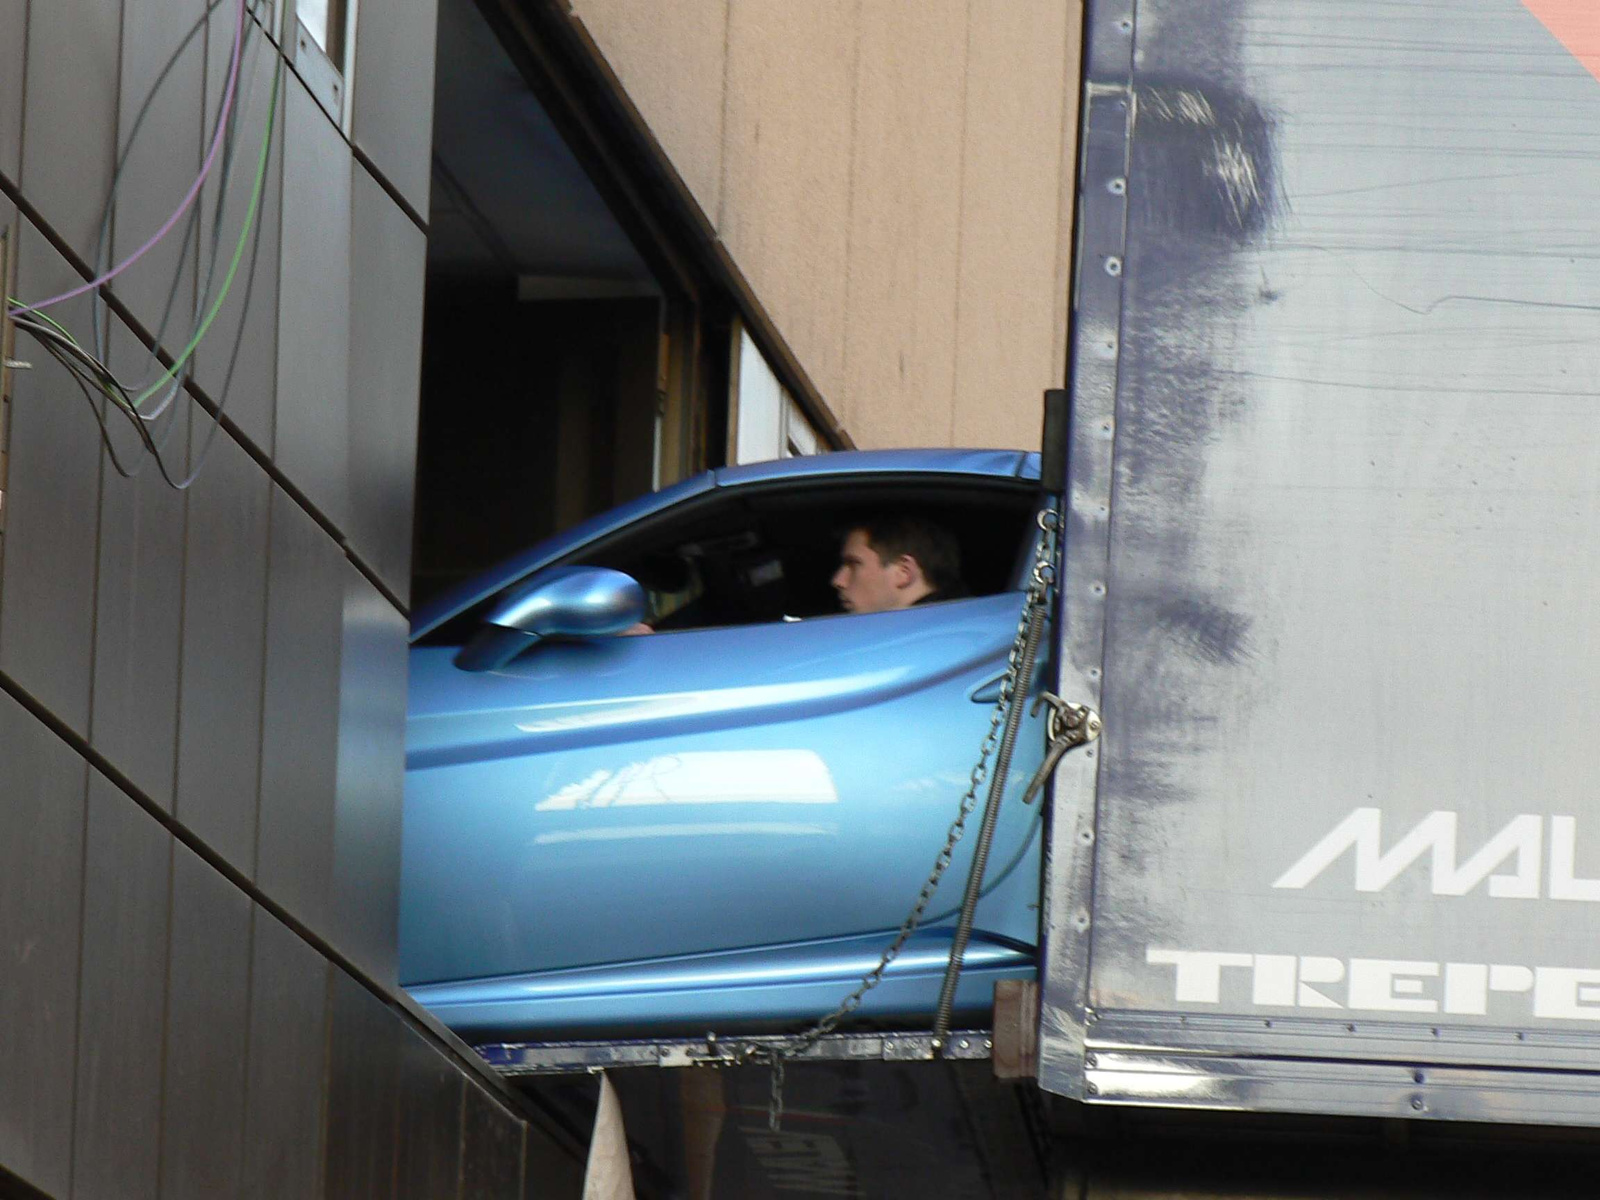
point(633, 797)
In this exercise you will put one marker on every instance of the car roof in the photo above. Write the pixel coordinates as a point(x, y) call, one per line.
point(1004, 464)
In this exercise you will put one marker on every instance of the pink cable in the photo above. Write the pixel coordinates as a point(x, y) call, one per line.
point(188, 199)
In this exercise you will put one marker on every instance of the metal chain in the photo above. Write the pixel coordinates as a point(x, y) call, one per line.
point(1040, 582)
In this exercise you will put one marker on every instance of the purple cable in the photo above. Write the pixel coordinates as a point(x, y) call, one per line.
point(188, 199)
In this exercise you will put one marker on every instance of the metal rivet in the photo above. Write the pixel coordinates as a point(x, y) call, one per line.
point(988, 1044)
point(1091, 1060)
point(1113, 265)
point(1094, 1089)
point(965, 1045)
point(1417, 1077)
point(1117, 186)
point(1416, 1103)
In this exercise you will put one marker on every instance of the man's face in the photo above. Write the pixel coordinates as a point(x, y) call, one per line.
point(864, 583)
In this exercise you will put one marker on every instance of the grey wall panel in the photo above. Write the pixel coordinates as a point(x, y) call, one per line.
point(244, 338)
point(41, 877)
point(138, 607)
point(13, 42)
point(202, 1107)
point(372, 702)
point(121, 1009)
point(491, 1149)
point(51, 516)
point(300, 713)
point(75, 46)
point(363, 1078)
point(224, 638)
point(162, 80)
point(287, 1067)
point(314, 296)
point(393, 94)
point(430, 1122)
point(387, 255)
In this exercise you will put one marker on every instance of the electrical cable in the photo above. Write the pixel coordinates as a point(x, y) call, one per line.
point(188, 198)
point(86, 371)
point(238, 250)
point(96, 300)
point(85, 366)
point(203, 297)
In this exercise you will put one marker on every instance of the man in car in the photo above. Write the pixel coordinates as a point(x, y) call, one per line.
point(896, 560)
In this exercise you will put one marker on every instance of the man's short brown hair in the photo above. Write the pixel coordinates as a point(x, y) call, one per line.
point(892, 534)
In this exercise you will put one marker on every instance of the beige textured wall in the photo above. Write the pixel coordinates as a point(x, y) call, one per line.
point(893, 177)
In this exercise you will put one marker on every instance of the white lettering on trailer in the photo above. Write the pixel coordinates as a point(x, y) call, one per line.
point(1385, 985)
point(1436, 836)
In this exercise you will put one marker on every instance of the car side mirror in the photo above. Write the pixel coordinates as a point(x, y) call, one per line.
point(567, 601)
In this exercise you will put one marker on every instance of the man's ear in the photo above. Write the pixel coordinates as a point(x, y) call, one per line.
point(906, 571)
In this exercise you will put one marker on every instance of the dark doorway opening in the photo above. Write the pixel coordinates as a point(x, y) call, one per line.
point(569, 362)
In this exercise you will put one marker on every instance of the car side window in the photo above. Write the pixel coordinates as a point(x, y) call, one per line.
point(767, 555)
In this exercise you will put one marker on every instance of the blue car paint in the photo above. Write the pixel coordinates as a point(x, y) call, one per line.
point(778, 985)
point(597, 834)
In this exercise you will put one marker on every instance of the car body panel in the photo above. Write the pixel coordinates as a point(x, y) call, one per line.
point(592, 830)
point(781, 984)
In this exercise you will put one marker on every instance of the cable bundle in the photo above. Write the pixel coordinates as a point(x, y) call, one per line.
point(103, 390)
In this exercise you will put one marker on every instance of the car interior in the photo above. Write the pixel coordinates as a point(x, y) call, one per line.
point(767, 553)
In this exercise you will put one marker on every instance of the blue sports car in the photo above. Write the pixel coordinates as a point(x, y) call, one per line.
point(721, 825)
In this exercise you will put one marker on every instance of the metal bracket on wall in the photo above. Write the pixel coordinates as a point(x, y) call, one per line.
point(576, 1058)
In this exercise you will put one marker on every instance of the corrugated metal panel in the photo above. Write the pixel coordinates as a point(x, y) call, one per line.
point(223, 636)
point(299, 737)
point(491, 1149)
point(122, 1007)
point(387, 261)
point(371, 774)
point(283, 1126)
point(430, 1122)
point(311, 440)
point(52, 515)
point(363, 1088)
point(393, 95)
point(41, 879)
point(138, 609)
point(250, 395)
point(203, 1098)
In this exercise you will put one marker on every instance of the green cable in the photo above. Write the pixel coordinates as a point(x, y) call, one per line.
point(48, 320)
point(238, 251)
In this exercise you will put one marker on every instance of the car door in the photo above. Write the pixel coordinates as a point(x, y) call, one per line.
point(627, 798)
